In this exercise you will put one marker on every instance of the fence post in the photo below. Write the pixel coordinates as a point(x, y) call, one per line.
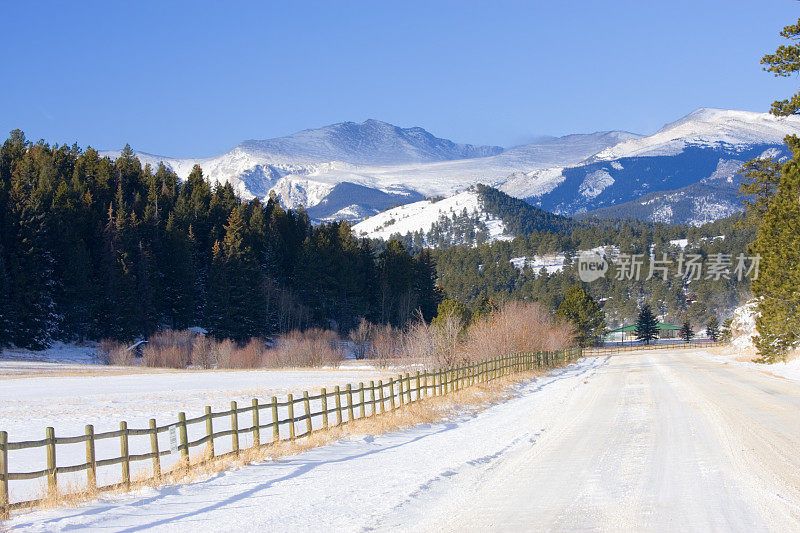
point(307, 405)
point(324, 394)
point(256, 423)
point(154, 449)
point(425, 383)
point(408, 388)
point(52, 480)
point(349, 389)
point(290, 401)
point(380, 395)
point(338, 400)
point(123, 448)
point(372, 398)
point(91, 471)
point(276, 428)
point(235, 428)
point(361, 408)
point(4, 501)
point(391, 393)
point(184, 444)
point(209, 432)
point(400, 396)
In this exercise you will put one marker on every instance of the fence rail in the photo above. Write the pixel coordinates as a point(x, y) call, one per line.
point(636, 346)
point(337, 407)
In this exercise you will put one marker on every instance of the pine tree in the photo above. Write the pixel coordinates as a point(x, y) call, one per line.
point(725, 330)
point(178, 277)
point(587, 316)
point(712, 329)
point(236, 301)
point(784, 63)
point(778, 282)
point(428, 294)
point(646, 325)
point(686, 332)
point(397, 302)
point(778, 240)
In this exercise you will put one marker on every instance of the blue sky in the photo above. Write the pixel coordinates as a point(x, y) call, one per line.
point(195, 78)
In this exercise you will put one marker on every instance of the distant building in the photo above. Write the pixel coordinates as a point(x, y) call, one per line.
point(628, 333)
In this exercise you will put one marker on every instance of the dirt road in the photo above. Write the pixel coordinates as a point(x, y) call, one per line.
point(655, 441)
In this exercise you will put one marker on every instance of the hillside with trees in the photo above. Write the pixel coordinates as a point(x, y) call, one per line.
point(92, 248)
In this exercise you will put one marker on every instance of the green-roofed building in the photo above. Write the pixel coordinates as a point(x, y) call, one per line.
point(628, 333)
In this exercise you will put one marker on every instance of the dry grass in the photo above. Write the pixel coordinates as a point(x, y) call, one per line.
point(473, 399)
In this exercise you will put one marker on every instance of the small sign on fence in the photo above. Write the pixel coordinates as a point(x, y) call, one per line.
point(173, 439)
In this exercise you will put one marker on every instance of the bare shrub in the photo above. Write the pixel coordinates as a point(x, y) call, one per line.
point(419, 343)
point(562, 335)
point(168, 349)
point(223, 353)
point(361, 337)
point(111, 352)
point(203, 352)
point(386, 345)
point(518, 327)
point(448, 330)
point(250, 355)
point(313, 347)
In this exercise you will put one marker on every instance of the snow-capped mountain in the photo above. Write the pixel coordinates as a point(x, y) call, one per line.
point(382, 165)
point(352, 170)
point(687, 172)
point(706, 127)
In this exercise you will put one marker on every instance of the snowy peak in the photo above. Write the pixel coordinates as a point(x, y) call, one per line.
point(707, 127)
point(371, 142)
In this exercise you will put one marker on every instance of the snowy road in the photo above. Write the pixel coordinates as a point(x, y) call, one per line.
point(664, 440)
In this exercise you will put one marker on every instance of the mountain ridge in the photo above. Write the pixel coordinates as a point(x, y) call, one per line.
point(572, 174)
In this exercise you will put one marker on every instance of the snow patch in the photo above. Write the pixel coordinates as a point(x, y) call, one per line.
point(595, 183)
point(421, 216)
point(743, 326)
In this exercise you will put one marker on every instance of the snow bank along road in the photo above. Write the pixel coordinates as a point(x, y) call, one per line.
point(662, 440)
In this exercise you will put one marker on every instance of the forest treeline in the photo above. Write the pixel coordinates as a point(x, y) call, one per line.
point(477, 272)
point(480, 274)
point(93, 248)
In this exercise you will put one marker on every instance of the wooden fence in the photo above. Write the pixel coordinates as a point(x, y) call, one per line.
point(338, 407)
point(636, 346)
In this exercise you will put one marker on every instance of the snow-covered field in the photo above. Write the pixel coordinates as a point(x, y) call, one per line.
point(656, 440)
point(35, 395)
